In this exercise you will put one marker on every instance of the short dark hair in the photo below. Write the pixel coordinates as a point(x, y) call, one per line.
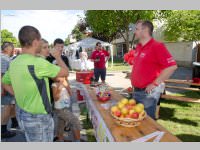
point(6, 44)
point(149, 25)
point(45, 41)
point(58, 41)
point(27, 35)
point(98, 43)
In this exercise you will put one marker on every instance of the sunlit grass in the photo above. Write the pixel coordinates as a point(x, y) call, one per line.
point(182, 118)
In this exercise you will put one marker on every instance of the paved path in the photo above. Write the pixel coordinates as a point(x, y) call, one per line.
point(117, 79)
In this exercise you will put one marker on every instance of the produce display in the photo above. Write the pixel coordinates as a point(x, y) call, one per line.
point(102, 93)
point(128, 113)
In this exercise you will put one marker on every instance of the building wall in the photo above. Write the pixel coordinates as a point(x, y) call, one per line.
point(182, 52)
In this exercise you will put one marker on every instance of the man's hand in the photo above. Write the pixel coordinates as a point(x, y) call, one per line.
point(107, 58)
point(97, 60)
point(149, 88)
point(56, 53)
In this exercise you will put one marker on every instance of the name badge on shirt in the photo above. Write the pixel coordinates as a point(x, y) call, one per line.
point(142, 55)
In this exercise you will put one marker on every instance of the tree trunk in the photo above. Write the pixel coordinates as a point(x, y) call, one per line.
point(198, 53)
point(127, 39)
point(132, 40)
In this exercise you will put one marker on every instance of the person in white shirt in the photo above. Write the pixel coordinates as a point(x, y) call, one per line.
point(61, 95)
point(84, 57)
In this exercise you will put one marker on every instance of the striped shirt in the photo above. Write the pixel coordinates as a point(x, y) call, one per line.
point(5, 61)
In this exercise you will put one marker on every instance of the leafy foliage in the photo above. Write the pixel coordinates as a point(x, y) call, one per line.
point(7, 36)
point(110, 23)
point(182, 25)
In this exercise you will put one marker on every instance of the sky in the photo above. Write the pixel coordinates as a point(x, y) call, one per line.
point(52, 24)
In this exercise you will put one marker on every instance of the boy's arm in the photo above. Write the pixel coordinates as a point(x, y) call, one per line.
point(56, 93)
point(8, 88)
point(67, 86)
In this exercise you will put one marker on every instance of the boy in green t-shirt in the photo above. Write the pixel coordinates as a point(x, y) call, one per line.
point(27, 79)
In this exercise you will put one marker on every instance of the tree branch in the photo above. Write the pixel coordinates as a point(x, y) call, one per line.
point(122, 35)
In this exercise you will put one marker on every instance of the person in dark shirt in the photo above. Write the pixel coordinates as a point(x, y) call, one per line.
point(59, 45)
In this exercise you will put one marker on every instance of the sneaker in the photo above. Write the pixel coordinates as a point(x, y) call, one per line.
point(55, 139)
point(14, 125)
point(8, 134)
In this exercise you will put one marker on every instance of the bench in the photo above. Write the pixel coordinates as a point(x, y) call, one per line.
point(196, 88)
point(181, 98)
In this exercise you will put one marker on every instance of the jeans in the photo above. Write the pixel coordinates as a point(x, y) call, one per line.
point(37, 127)
point(148, 100)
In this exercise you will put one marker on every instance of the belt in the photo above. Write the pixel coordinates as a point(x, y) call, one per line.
point(139, 89)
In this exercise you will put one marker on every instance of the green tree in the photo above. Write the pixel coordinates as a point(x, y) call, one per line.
point(67, 41)
point(77, 33)
point(7, 36)
point(83, 25)
point(113, 22)
point(182, 25)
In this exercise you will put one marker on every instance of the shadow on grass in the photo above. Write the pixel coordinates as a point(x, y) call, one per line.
point(169, 101)
point(188, 138)
point(168, 115)
point(192, 94)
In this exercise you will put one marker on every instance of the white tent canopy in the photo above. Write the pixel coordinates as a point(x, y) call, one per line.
point(88, 43)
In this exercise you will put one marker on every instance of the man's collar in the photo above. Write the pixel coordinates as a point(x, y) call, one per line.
point(149, 42)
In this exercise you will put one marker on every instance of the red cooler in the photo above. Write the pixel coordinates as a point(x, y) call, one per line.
point(84, 76)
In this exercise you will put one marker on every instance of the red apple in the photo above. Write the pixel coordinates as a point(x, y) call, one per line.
point(129, 89)
point(117, 113)
point(135, 115)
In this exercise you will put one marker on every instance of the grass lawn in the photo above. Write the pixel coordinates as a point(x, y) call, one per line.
point(118, 66)
point(87, 125)
point(182, 118)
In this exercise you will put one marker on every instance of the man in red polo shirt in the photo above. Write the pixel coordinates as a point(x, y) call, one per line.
point(100, 57)
point(152, 65)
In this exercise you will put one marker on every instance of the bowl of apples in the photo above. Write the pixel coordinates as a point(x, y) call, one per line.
point(103, 96)
point(102, 93)
point(127, 113)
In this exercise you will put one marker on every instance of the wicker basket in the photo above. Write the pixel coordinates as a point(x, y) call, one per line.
point(128, 122)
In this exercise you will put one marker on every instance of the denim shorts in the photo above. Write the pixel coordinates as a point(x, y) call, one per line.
point(7, 99)
point(100, 72)
point(37, 128)
point(149, 100)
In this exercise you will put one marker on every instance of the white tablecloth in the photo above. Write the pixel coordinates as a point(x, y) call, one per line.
point(79, 64)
